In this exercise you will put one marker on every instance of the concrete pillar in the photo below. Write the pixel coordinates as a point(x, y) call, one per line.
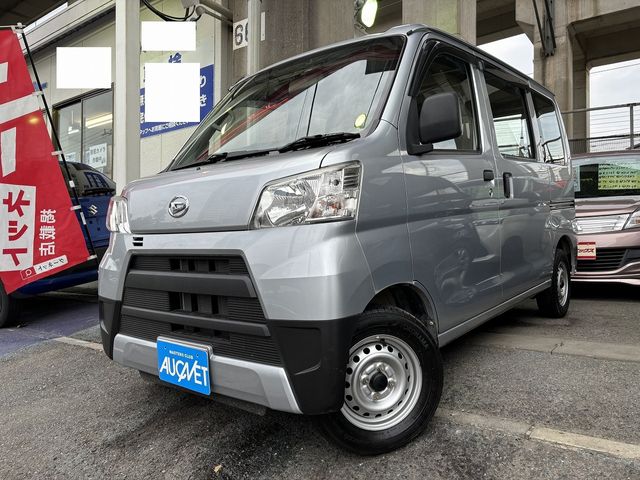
point(453, 16)
point(330, 21)
point(286, 30)
point(222, 54)
point(525, 18)
point(580, 126)
point(254, 10)
point(565, 72)
point(295, 26)
point(126, 123)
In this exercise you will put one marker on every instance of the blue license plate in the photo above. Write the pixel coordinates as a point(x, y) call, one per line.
point(184, 365)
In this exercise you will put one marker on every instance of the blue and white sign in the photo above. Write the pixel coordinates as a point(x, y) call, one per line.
point(184, 365)
point(148, 129)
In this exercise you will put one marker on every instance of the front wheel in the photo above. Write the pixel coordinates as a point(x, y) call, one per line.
point(392, 387)
point(554, 301)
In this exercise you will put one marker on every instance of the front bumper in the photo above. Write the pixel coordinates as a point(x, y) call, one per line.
point(617, 258)
point(310, 379)
point(279, 315)
point(629, 274)
point(261, 384)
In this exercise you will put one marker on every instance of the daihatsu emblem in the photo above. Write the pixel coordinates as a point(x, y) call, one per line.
point(178, 206)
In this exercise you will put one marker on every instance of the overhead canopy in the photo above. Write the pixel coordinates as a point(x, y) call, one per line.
point(25, 11)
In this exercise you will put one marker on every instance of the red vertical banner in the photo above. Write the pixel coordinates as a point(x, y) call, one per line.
point(39, 232)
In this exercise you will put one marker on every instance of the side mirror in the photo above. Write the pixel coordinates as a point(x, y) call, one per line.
point(440, 118)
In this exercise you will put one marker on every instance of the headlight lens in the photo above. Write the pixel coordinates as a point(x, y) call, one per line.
point(326, 194)
point(118, 215)
point(634, 220)
point(577, 228)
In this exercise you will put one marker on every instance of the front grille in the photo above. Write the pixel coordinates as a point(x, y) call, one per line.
point(206, 299)
point(231, 264)
point(226, 344)
point(606, 259)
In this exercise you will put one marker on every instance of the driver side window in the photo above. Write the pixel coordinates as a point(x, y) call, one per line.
point(450, 74)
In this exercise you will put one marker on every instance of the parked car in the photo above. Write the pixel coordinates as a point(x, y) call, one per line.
point(336, 219)
point(95, 190)
point(608, 217)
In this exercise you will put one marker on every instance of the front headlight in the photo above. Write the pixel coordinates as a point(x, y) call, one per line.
point(325, 194)
point(634, 220)
point(118, 215)
point(577, 228)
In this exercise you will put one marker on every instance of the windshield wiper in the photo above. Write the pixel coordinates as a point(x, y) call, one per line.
point(313, 141)
point(299, 144)
point(225, 156)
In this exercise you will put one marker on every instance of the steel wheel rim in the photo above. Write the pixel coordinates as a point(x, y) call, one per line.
point(390, 356)
point(562, 281)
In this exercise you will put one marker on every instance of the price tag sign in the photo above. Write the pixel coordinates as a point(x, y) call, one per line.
point(586, 250)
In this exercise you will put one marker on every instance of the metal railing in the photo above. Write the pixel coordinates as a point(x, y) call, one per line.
point(614, 127)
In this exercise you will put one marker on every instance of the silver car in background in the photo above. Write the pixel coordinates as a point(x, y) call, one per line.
point(336, 219)
point(607, 189)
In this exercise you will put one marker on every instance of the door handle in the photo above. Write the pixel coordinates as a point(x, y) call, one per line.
point(488, 175)
point(507, 184)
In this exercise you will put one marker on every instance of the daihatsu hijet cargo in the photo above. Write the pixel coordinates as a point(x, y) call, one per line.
point(335, 220)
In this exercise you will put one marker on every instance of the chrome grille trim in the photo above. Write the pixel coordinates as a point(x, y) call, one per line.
point(601, 224)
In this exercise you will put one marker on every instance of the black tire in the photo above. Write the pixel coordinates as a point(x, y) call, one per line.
point(404, 326)
point(552, 303)
point(8, 308)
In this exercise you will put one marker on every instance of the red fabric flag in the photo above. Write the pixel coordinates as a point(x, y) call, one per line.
point(39, 233)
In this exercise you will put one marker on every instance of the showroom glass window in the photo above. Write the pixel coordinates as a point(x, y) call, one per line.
point(85, 128)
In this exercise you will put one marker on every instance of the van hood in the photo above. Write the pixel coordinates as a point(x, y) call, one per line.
point(592, 207)
point(221, 196)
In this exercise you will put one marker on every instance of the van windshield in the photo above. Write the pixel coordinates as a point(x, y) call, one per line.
point(341, 90)
point(607, 176)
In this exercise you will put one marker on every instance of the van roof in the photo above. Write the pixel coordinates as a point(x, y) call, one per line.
point(410, 29)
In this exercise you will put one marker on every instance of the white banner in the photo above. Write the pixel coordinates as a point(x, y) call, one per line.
point(17, 223)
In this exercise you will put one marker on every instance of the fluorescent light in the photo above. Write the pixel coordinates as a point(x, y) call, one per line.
point(368, 12)
point(99, 120)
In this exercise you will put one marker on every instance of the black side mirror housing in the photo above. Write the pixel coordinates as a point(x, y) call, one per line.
point(440, 120)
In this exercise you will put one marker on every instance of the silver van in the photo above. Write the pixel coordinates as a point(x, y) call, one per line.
point(338, 218)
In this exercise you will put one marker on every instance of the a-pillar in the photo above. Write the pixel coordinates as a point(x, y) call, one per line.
point(453, 16)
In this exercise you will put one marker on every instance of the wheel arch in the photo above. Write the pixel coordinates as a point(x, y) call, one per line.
point(414, 299)
point(565, 244)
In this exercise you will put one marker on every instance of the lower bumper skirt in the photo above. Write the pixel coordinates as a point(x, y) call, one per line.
point(253, 382)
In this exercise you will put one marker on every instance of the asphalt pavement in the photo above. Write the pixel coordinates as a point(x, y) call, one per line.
point(509, 409)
